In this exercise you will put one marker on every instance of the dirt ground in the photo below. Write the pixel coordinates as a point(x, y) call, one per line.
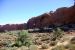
point(38, 38)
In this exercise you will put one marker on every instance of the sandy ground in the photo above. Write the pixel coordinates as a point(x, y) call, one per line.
point(66, 38)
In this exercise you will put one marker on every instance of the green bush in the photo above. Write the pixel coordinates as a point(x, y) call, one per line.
point(23, 39)
point(57, 34)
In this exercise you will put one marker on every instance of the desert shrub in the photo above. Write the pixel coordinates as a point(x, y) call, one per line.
point(45, 38)
point(37, 42)
point(67, 46)
point(8, 43)
point(33, 47)
point(5, 43)
point(7, 40)
point(72, 40)
point(61, 47)
point(48, 41)
point(57, 34)
point(38, 35)
point(23, 39)
point(8, 48)
point(44, 46)
point(71, 46)
point(53, 43)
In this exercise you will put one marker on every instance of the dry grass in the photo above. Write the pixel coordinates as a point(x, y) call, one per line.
point(41, 40)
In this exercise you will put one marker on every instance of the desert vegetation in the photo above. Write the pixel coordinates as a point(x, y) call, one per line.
point(53, 33)
point(22, 40)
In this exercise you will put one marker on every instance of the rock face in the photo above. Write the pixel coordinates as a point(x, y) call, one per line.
point(10, 27)
point(64, 15)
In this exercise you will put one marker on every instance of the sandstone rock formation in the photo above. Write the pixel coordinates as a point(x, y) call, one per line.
point(64, 15)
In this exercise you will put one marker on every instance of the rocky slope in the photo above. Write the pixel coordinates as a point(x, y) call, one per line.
point(64, 15)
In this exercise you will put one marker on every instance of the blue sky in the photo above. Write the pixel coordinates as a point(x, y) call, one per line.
point(19, 11)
